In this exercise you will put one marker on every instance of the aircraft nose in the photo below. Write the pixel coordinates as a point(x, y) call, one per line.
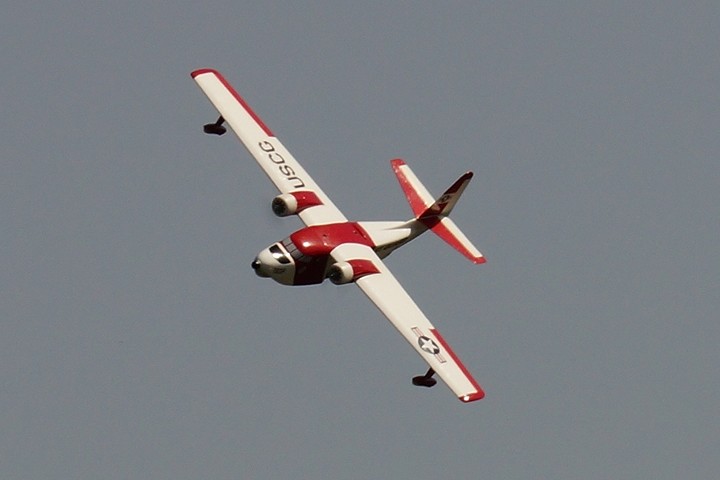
point(261, 269)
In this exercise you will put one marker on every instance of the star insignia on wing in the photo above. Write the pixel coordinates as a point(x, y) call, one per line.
point(428, 345)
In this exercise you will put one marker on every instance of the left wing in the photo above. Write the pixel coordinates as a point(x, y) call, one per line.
point(284, 171)
point(391, 298)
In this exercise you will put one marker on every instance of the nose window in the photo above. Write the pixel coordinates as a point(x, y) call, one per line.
point(279, 255)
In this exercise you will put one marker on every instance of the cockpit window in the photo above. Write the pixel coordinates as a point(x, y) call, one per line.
point(279, 255)
point(293, 250)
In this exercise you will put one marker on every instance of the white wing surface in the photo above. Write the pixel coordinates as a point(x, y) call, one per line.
point(275, 160)
point(393, 301)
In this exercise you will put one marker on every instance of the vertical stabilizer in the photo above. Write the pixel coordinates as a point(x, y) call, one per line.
point(446, 202)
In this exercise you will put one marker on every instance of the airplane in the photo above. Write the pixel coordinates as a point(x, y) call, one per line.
point(330, 246)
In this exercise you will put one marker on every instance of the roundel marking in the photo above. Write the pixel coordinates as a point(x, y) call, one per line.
point(428, 345)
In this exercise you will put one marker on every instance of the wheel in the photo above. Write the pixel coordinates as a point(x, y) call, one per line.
point(214, 129)
point(424, 381)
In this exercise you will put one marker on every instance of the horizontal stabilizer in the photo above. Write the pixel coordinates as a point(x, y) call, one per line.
point(417, 195)
point(446, 229)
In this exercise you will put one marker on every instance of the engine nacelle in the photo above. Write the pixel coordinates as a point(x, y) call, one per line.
point(284, 205)
point(346, 272)
point(293, 203)
point(341, 273)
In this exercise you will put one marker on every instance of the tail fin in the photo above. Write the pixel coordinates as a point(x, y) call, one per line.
point(444, 205)
point(434, 213)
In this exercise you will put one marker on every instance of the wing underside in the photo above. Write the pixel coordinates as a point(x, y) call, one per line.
point(400, 309)
point(284, 171)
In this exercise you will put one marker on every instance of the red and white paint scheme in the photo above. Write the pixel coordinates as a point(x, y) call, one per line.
point(331, 247)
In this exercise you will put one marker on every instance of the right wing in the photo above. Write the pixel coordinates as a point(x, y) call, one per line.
point(379, 284)
point(284, 171)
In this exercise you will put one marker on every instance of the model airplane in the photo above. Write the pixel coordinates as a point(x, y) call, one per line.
point(332, 247)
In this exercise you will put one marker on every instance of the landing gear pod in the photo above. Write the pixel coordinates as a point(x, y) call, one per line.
point(215, 128)
point(425, 380)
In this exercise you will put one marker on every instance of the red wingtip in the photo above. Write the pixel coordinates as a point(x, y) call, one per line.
point(237, 96)
point(472, 397)
point(398, 162)
point(200, 71)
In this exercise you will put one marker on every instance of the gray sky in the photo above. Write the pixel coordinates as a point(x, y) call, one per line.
point(137, 343)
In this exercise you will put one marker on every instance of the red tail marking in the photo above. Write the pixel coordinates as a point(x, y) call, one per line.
point(433, 223)
point(416, 203)
point(439, 207)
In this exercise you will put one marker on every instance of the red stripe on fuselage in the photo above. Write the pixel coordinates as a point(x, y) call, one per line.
point(320, 240)
point(315, 244)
